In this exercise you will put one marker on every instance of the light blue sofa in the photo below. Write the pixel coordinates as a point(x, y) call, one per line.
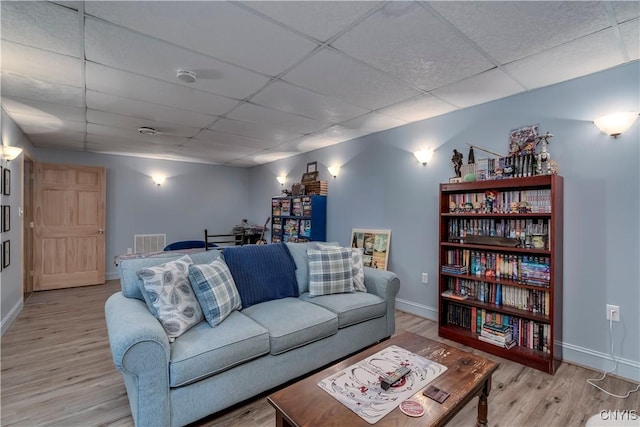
point(209, 369)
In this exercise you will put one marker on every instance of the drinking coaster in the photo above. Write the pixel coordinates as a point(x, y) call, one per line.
point(412, 408)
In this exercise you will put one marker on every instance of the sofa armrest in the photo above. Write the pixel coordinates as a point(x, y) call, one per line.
point(385, 284)
point(140, 350)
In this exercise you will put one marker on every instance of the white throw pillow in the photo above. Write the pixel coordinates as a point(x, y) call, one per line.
point(170, 293)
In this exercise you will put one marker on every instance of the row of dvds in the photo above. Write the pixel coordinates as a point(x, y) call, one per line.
point(531, 300)
point(494, 201)
point(530, 270)
point(299, 206)
point(521, 229)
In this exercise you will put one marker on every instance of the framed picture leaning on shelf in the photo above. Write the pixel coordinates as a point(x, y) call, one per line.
point(375, 246)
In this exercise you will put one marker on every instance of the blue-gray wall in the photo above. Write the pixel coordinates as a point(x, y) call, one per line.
point(193, 197)
point(381, 185)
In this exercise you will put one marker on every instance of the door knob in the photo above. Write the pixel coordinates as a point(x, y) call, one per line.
point(101, 231)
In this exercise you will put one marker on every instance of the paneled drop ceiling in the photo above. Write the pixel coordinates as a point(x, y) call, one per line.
point(278, 78)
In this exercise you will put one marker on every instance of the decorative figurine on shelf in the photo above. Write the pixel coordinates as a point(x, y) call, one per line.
point(286, 192)
point(471, 158)
point(477, 206)
point(543, 157)
point(489, 197)
point(457, 162)
point(452, 207)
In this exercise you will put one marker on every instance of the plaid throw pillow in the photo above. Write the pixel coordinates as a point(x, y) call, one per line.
point(330, 271)
point(215, 289)
point(357, 270)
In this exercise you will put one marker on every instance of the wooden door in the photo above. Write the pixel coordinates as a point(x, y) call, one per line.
point(69, 221)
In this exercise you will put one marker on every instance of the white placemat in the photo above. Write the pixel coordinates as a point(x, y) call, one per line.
point(358, 386)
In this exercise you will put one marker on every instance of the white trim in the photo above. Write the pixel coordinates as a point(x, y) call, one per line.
point(629, 369)
point(11, 317)
point(410, 307)
point(111, 276)
point(591, 359)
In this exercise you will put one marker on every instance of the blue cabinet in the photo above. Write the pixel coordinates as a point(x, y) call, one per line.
point(299, 219)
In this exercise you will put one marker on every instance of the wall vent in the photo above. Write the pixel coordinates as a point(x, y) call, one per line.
point(145, 243)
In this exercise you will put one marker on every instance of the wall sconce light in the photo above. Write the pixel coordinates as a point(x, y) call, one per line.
point(423, 156)
point(9, 153)
point(159, 179)
point(282, 179)
point(334, 171)
point(616, 123)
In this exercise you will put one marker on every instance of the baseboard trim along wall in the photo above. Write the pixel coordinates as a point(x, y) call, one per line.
point(11, 317)
point(587, 358)
point(410, 307)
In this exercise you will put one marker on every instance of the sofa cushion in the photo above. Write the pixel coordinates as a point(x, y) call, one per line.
point(170, 297)
point(292, 322)
point(330, 271)
point(351, 308)
point(203, 351)
point(128, 269)
point(262, 272)
point(215, 290)
point(357, 266)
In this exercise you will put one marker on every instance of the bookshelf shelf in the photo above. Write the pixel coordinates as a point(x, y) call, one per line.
point(516, 286)
point(298, 218)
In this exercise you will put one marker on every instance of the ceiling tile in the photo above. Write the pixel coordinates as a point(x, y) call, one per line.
point(340, 133)
point(373, 122)
point(419, 108)
point(253, 130)
point(128, 122)
point(43, 109)
point(28, 62)
point(125, 50)
point(510, 30)
point(270, 155)
point(308, 143)
point(571, 60)
point(34, 125)
point(408, 42)
point(630, 32)
point(626, 10)
point(230, 141)
point(292, 99)
point(41, 24)
point(60, 141)
point(275, 118)
point(145, 110)
point(120, 83)
point(489, 86)
point(219, 29)
point(107, 144)
point(333, 74)
point(319, 19)
point(133, 135)
point(38, 90)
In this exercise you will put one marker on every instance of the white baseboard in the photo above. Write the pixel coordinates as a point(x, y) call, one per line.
point(410, 307)
point(629, 369)
point(11, 317)
point(111, 276)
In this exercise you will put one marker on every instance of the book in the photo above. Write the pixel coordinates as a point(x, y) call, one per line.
point(499, 338)
point(508, 345)
point(450, 294)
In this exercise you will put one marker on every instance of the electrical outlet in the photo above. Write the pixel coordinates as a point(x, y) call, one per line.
point(425, 277)
point(613, 312)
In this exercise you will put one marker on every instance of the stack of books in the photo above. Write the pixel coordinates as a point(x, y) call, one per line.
point(454, 269)
point(497, 334)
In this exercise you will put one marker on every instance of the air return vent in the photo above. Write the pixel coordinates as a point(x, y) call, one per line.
point(145, 243)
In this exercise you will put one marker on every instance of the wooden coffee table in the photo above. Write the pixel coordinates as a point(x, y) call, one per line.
point(468, 375)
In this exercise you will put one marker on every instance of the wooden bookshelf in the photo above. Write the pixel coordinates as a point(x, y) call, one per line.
point(520, 286)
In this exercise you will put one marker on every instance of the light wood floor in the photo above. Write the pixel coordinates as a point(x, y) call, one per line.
point(57, 371)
